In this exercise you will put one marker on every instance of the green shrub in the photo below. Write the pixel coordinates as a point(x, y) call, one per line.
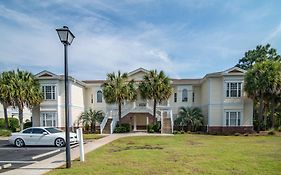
point(279, 129)
point(150, 129)
point(188, 132)
point(157, 127)
point(123, 128)
point(246, 134)
point(182, 132)
point(2, 123)
point(271, 132)
point(27, 125)
point(5, 133)
point(13, 124)
point(176, 132)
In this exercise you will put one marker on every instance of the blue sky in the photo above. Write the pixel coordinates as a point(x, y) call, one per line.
point(186, 39)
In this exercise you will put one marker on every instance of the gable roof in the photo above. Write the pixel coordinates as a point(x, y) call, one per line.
point(232, 71)
point(137, 71)
point(46, 75)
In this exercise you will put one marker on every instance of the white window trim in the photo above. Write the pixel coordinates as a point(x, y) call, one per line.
point(241, 118)
point(225, 89)
point(54, 117)
point(44, 97)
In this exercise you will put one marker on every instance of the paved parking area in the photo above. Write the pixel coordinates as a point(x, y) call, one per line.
point(12, 157)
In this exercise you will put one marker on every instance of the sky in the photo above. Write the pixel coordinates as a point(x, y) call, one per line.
point(184, 38)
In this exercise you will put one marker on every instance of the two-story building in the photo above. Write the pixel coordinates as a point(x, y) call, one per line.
point(220, 95)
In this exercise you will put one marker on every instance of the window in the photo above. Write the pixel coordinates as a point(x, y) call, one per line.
point(37, 131)
point(175, 97)
point(48, 119)
point(193, 97)
point(99, 97)
point(184, 95)
point(233, 89)
point(27, 131)
point(233, 118)
point(49, 92)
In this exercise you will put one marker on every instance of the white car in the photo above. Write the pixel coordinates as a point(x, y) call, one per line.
point(41, 136)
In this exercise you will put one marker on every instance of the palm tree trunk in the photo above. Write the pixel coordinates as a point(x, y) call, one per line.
point(154, 110)
point(21, 117)
point(119, 110)
point(272, 112)
point(260, 112)
point(6, 117)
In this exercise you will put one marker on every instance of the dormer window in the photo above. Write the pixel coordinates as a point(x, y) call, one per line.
point(233, 89)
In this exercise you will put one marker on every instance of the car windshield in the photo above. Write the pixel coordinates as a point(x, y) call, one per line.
point(53, 130)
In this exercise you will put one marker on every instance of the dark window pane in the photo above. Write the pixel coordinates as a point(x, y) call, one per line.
point(184, 95)
point(37, 131)
point(27, 131)
point(99, 97)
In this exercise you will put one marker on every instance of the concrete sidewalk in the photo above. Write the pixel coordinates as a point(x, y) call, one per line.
point(46, 165)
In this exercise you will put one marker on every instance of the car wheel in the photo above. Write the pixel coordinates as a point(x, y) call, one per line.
point(59, 142)
point(19, 142)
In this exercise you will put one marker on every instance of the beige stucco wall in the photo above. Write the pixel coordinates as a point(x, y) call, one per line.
point(76, 102)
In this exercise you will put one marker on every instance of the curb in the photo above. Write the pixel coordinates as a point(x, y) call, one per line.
point(45, 154)
point(5, 166)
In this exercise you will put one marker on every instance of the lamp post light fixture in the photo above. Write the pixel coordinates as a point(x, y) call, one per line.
point(66, 37)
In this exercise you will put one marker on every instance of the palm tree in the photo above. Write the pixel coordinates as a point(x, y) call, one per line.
point(90, 118)
point(26, 91)
point(156, 87)
point(5, 94)
point(261, 80)
point(192, 117)
point(117, 89)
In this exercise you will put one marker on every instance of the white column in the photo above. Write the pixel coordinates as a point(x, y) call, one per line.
point(135, 123)
point(134, 104)
point(161, 121)
point(168, 103)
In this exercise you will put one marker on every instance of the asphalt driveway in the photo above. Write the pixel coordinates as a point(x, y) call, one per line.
point(12, 157)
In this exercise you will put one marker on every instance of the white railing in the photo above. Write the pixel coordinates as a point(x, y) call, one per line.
point(113, 124)
point(104, 121)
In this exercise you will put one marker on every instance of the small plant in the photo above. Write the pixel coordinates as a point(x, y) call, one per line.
point(271, 132)
point(5, 133)
point(237, 134)
point(279, 129)
point(188, 132)
point(176, 132)
point(246, 134)
point(182, 132)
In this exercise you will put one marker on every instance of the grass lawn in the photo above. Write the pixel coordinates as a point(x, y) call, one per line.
point(183, 154)
point(92, 136)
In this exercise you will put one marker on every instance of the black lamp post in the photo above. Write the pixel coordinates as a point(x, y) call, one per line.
point(66, 37)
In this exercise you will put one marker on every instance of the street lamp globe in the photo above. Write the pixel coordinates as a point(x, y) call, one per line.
point(65, 35)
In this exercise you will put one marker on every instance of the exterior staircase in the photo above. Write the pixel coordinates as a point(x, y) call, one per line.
point(167, 126)
point(106, 129)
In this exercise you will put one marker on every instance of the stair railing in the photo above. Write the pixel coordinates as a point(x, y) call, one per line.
point(104, 121)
